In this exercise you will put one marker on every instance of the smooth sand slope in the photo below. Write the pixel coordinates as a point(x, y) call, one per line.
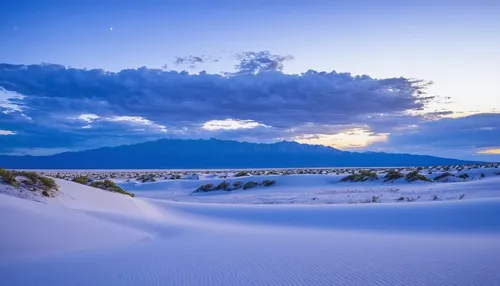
point(88, 236)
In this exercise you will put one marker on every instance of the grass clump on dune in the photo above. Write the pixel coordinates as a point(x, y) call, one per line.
point(393, 175)
point(444, 175)
point(8, 177)
point(205, 188)
point(223, 186)
point(249, 185)
point(268, 183)
point(241, 174)
point(416, 176)
point(29, 180)
point(110, 186)
point(49, 183)
point(38, 180)
point(82, 180)
point(363, 175)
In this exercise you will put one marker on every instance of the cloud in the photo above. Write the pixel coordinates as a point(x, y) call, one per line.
point(131, 120)
point(230, 124)
point(490, 151)
point(53, 106)
point(10, 101)
point(346, 139)
point(469, 135)
point(193, 61)
point(88, 117)
point(7, 132)
point(256, 62)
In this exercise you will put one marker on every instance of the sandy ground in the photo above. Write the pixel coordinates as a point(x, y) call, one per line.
point(275, 235)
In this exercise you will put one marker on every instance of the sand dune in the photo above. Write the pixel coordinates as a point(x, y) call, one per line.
point(87, 236)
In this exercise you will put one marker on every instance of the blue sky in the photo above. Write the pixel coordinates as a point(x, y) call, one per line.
point(454, 44)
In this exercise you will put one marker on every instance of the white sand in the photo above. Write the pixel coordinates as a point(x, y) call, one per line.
point(88, 236)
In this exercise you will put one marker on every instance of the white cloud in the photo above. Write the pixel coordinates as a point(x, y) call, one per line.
point(9, 101)
point(347, 139)
point(88, 117)
point(231, 124)
point(134, 119)
point(137, 120)
point(7, 132)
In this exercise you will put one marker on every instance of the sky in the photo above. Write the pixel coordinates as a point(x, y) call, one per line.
point(394, 76)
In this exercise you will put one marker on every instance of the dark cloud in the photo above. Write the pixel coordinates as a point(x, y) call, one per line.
point(465, 136)
point(192, 61)
point(256, 62)
point(474, 131)
point(71, 105)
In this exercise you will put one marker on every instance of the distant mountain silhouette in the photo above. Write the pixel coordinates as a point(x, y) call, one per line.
point(213, 153)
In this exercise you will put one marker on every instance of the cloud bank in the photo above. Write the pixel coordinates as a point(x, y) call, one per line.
point(51, 106)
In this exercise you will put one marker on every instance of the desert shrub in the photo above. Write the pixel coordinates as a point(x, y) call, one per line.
point(362, 176)
point(110, 186)
point(375, 199)
point(268, 183)
point(393, 175)
point(400, 199)
point(461, 196)
point(39, 180)
point(81, 180)
point(249, 185)
point(8, 177)
point(435, 197)
point(464, 176)
point(411, 199)
point(31, 176)
point(205, 188)
point(241, 174)
point(48, 183)
point(223, 186)
point(444, 175)
point(415, 176)
point(45, 193)
point(237, 185)
point(483, 175)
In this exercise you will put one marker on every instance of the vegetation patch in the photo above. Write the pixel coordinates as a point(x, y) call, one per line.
point(110, 186)
point(416, 176)
point(268, 183)
point(393, 175)
point(363, 175)
point(444, 175)
point(249, 185)
point(8, 177)
point(464, 176)
point(147, 178)
point(205, 188)
point(38, 181)
point(223, 186)
point(242, 174)
point(29, 180)
point(84, 180)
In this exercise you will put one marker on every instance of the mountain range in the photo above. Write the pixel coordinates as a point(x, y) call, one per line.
point(214, 153)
